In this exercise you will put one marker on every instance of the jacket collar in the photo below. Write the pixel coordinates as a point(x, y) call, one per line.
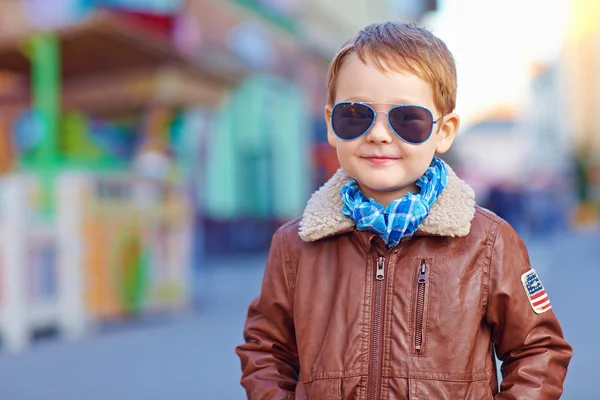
point(450, 215)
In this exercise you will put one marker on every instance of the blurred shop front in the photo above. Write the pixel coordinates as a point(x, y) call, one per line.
point(100, 115)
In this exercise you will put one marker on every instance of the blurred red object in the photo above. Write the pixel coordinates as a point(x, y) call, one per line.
point(325, 158)
point(162, 24)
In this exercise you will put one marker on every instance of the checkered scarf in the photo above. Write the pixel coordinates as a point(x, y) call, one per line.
point(402, 217)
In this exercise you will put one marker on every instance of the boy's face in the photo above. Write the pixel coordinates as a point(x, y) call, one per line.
point(384, 166)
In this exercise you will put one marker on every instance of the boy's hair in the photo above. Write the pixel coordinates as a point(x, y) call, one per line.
point(396, 46)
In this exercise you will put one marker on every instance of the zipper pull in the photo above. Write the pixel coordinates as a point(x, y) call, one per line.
point(380, 275)
point(423, 273)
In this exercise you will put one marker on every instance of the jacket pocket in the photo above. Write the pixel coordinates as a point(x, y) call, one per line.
point(425, 389)
point(420, 309)
point(351, 387)
point(326, 389)
point(319, 389)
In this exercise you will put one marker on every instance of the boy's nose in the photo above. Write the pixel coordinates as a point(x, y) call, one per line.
point(380, 132)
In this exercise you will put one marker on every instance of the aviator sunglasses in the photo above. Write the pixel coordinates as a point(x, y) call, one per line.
point(411, 123)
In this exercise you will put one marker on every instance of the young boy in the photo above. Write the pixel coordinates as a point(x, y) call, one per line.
point(394, 284)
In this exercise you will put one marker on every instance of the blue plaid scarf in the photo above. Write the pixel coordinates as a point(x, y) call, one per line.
point(402, 217)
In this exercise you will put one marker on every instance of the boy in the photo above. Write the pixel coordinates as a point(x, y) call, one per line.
point(394, 284)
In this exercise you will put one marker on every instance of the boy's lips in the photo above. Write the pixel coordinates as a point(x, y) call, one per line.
point(380, 160)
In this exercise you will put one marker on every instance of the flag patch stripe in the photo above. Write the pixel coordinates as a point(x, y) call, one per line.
point(540, 294)
point(542, 301)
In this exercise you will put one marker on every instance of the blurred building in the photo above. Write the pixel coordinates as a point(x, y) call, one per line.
point(555, 153)
point(328, 24)
point(581, 59)
point(96, 212)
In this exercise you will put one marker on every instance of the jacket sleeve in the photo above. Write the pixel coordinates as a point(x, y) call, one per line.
point(269, 355)
point(531, 347)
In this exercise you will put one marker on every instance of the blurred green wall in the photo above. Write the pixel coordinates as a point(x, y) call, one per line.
point(258, 163)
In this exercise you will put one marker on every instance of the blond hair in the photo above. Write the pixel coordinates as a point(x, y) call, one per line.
point(396, 46)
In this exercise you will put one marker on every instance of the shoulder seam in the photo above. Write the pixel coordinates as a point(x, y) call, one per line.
point(286, 261)
point(496, 220)
point(491, 243)
point(289, 223)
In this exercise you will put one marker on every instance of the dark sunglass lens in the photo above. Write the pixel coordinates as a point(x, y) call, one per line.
point(411, 123)
point(350, 120)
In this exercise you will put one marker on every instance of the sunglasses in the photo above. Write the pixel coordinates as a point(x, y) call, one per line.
point(411, 123)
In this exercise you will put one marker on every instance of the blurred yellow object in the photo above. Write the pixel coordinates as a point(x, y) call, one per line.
point(137, 243)
point(585, 16)
point(6, 148)
point(587, 215)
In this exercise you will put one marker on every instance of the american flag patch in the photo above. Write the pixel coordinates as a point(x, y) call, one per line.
point(538, 298)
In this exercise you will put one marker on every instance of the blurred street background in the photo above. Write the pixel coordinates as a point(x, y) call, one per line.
point(150, 148)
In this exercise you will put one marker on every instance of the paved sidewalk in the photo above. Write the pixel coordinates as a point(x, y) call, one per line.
point(571, 274)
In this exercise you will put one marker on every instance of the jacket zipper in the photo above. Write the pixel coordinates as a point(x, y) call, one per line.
point(375, 375)
point(421, 285)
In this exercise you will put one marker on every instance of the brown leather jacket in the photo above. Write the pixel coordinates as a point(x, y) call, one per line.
point(339, 317)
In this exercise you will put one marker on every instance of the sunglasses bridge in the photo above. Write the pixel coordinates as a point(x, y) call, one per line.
point(394, 105)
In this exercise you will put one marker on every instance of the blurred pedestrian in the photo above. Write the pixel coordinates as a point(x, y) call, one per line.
point(507, 200)
point(394, 284)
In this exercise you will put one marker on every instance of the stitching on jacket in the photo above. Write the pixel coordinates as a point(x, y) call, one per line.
point(411, 324)
point(443, 376)
point(412, 389)
point(485, 213)
point(355, 238)
point(365, 312)
point(286, 262)
point(391, 357)
point(389, 317)
point(496, 221)
point(495, 232)
point(329, 375)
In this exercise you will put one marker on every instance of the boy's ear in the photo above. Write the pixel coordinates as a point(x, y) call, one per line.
point(331, 138)
point(447, 132)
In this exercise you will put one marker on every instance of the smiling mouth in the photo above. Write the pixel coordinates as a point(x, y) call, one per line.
point(380, 160)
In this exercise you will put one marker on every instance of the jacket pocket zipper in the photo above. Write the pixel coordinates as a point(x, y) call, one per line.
point(420, 317)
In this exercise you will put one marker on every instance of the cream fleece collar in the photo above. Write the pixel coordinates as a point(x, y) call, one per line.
point(450, 215)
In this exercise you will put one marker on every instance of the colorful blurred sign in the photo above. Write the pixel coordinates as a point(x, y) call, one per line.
point(117, 141)
point(51, 14)
point(158, 6)
point(27, 131)
point(284, 7)
point(55, 13)
point(137, 245)
point(252, 44)
point(187, 33)
point(157, 23)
